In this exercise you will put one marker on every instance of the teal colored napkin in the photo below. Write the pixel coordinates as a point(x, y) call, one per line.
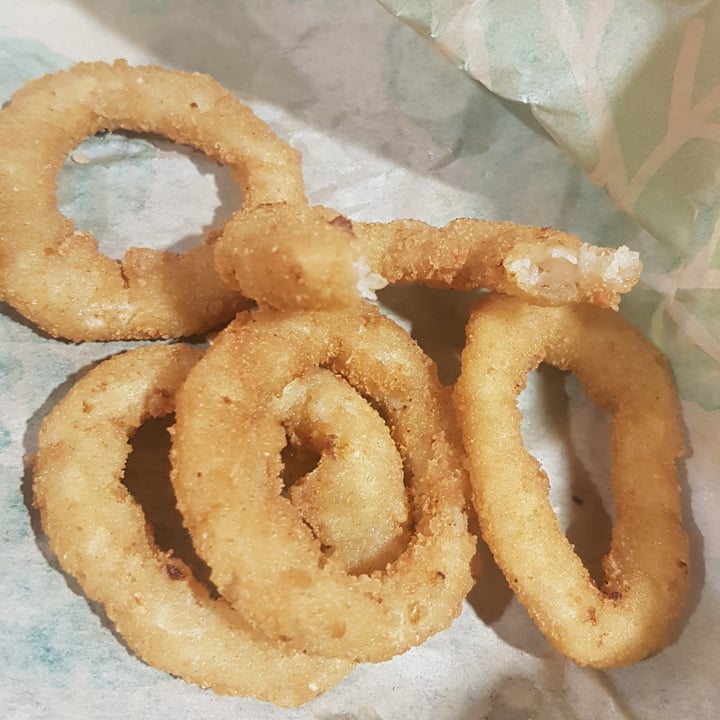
point(632, 92)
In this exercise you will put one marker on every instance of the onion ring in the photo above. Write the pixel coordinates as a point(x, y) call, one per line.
point(646, 569)
point(354, 500)
point(262, 557)
point(53, 274)
point(99, 535)
point(323, 259)
point(313, 252)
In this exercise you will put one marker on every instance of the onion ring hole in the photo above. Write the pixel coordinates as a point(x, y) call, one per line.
point(570, 437)
point(147, 479)
point(136, 189)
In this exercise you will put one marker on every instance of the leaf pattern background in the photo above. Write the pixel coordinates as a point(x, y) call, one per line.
point(632, 92)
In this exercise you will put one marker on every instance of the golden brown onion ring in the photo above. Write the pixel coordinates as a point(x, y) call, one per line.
point(100, 536)
point(52, 273)
point(313, 252)
point(646, 569)
point(354, 499)
point(227, 475)
point(322, 259)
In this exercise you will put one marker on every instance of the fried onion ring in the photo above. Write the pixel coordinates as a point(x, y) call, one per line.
point(226, 461)
point(52, 273)
point(646, 569)
point(322, 259)
point(354, 499)
point(313, 252)
point(99, 535)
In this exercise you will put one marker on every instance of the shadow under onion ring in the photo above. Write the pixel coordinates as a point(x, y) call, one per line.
point(227, 468)
point(99, 534)
point(52, 273)
point(645, 583)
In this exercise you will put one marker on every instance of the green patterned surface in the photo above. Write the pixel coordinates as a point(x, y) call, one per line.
point(632, 91)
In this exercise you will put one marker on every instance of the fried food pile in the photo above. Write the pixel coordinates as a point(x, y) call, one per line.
point(369, 551)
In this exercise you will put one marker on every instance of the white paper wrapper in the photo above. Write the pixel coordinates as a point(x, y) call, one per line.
point(388, 128)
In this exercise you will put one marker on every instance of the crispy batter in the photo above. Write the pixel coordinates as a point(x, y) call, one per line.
point(99, 535)
point(646, 569)
point(322, 259)
point(354, 499)
point(540, 264)
point(52, 273)
point(226, 473)
point(312, 253)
